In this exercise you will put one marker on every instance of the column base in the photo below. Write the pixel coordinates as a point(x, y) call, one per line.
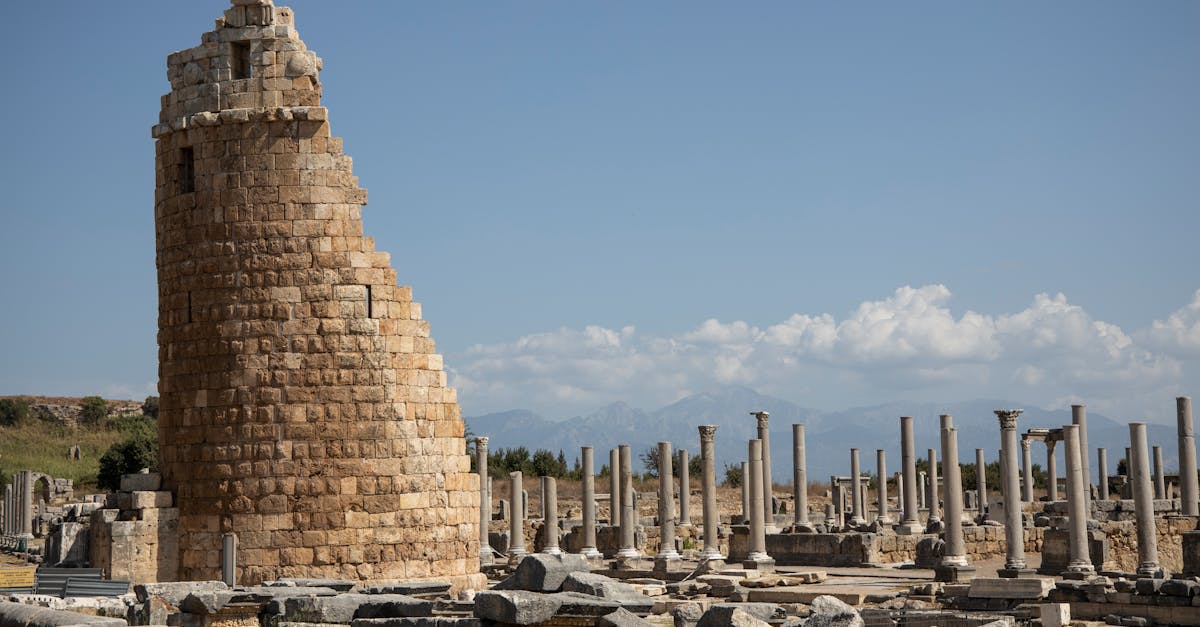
point(1151, 572)
point(668, 564)
point(552, 550)
point(486, 558)
point(591, 552)
point(632, 562)
point(713, 565)
point(759, 561)
point(629, 553)
point(711, 555)
point(1015, 573)
point(909, 528)
point(935, 525)
point(953, 573)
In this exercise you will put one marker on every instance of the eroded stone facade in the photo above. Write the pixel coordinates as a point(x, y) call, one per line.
point(303, 405)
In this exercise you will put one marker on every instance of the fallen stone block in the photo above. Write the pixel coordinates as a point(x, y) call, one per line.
point(18, 614)
point(1017, 588)
point(419, 589)
point(141, 481)
point(340, 585)
point(804, 594)
point(544, 573)
point(421, 621)
point(516, 607)
point(828, 611)
point(622, 618)
point(174, 593)
point(723, 613)
point(205, 603)
point(731, 616)
point(1180, 588)
point(344, 608)
point(598, 585)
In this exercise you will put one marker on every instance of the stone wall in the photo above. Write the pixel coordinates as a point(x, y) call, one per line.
point(303, 405)
point(1122, 540)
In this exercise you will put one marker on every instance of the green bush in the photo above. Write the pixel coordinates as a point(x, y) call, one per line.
point(150, 406)
point(127, 457)
point(93, 411)
point(12, 411)
point(733, 475)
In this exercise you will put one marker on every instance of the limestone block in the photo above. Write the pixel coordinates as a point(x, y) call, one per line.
point(141, 481)
point(516, 607)
point(1019, 588)
point(150, 499)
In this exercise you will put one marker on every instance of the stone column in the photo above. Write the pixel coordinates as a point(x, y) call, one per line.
point(666, 504)
point(764, 434)
point(981, 483)
point(1014, 531)
point(629, 515)
point(1102, 463)
point(934, 523)
point(711, 517)
point(6, 527)
point(899, 479)
point(1189, 492)
point(1160, 482)
point(758, 534)
point(485, 499)
point(685, 489)
point(1143, 502)
point(800, 480)
point(589, 504)
point(1079, 419)
point(25, 507)
point(884, 518)
point(856, 495)
point(1077, 503)
point(550, 515)
point(1026, 470)
point(746, 499)
point(954, 560)
point(909, 523)
point(614, 488)
point(516, 518)
point(922, 490)
point(1051, 471)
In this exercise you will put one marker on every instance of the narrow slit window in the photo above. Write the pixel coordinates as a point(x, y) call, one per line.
point(187, 171)
point(369, 302)
point(189, 308)
point(241, 61)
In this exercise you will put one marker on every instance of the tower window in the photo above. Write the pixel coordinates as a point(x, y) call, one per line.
point(241, 61)
point(187, 170)
point(369, 312)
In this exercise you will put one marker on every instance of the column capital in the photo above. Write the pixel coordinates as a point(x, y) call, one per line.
point(707, 432)
point(1025, 444)
point(481, 440)
point(762, 417)
point(1008, 417)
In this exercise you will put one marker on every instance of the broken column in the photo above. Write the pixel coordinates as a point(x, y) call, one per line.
point(764, 433)
point(1026, 470)
point(711, 550)
point(1014, 531)
point(1143, 502)
point(1079, 419)
point(934, 523)
point(6, 527)
point(614, 488)
point(922, 489)
point(909, 523)
point(856, 495)
point(1189, 493)
point(1160, 481)
point(757, 557)
point(746, 498)
point(884, 518)
point(981, 484)
point(25, 504)
point(550, 515)
point(1102, 463)
point(685, 489)
point(1081, 562)
point(799, 480)
point(629, 515)
point(516, 518)
point(589, 503)
point(485, 499)
point(954, 566)
point(666, 504)
point(1051, 470)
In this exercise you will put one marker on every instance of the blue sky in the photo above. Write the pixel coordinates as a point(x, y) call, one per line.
point(837, 204)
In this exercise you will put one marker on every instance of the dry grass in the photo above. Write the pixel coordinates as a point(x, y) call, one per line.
point(42, 446)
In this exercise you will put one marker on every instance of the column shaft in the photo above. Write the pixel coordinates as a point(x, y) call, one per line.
point(1143, 501)
point(1160, 480)
point(881, 471)
point(981, 481)
point(758, 537)
point(955, 553)
point(856, 494)
point(935, 515)
point(1014, 531)
point(614, 488)
point(909, 523)
point(711, 517)
point(746, 499)
point(587, 464)
point(799, 477)
point(629, 516)
point(1051, 471)
point(1026, 471)
point(1076, 503)
point(1079, 419)
point(550, 515)
point(666, 503)
point(1189, 491)
point(764, 434)
point(1102, 465)
point(485, 499)
point(685, 489)
point(516, 518)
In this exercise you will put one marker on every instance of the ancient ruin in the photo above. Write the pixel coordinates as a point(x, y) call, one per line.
point(303, 406)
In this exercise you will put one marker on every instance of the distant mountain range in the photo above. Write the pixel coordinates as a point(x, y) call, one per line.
point(829, 435)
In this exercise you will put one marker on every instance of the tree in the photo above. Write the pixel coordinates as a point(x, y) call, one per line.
point(93, 410)
point(150, 407)
point(733, 475)
point(12, 411)
point(126, 457)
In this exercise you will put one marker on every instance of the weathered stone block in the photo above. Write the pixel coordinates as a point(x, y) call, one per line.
point(141, 481)
point(1018, 588)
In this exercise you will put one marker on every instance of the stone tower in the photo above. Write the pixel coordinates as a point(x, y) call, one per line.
point(302, 404)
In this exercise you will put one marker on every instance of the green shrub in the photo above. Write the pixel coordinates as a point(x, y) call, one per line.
point(13, 410)
point(126, 457)
point(93, 411)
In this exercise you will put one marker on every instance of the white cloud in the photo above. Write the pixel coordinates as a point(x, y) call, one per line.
point(907, 345)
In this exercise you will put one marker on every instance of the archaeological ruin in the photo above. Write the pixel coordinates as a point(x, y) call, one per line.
point(303, 405)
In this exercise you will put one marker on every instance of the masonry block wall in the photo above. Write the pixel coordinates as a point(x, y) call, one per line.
point(303, 405)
